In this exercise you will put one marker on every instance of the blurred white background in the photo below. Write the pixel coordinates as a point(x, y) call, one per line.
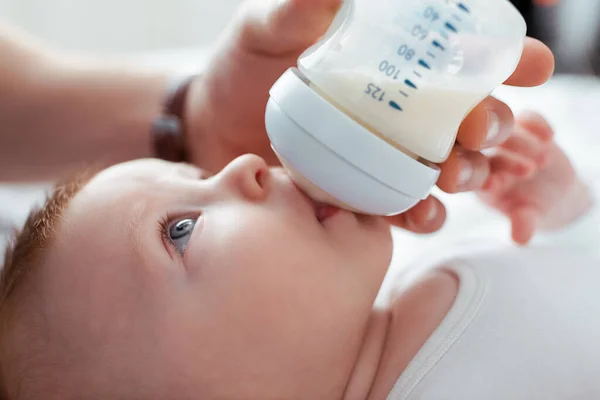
point(121, 26)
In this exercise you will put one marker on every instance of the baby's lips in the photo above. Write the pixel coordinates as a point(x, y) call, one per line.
point(326, 211)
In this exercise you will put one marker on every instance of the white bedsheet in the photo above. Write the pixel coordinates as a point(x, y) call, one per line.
point(572, 105)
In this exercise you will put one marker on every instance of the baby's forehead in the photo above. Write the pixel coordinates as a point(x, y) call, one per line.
point(148, 178)
point(146, 169)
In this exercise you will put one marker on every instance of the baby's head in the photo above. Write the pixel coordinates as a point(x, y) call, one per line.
point(150, 281)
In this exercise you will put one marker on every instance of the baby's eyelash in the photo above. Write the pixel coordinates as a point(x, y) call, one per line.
point(163, 226)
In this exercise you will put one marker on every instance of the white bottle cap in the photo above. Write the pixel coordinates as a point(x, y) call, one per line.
point(336, 160)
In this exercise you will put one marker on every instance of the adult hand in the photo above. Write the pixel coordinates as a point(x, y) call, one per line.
point(226, 109)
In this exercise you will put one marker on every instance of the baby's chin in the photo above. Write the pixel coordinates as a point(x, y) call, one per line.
point(376, 241)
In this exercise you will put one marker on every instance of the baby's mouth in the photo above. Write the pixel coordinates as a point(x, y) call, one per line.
point(325, 211)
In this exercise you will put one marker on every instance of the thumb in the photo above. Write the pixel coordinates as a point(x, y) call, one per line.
point(285, 27)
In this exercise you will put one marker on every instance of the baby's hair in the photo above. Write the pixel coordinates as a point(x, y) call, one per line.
point(24, 254)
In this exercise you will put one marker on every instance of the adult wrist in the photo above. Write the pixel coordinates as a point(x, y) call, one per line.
point(205, 146)
point(169, 132)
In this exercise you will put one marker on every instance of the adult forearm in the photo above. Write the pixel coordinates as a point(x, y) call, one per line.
point(59, 112)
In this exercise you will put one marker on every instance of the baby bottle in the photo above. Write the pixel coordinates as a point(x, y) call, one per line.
point(371, 108)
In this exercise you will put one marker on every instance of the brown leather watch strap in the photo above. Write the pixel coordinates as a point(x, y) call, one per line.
point(168, 129)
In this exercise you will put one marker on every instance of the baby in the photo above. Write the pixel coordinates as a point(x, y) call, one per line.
point(153, 281)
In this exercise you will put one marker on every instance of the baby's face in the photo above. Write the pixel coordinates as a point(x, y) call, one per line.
point(264, 297)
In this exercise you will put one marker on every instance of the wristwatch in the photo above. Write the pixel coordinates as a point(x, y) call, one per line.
point(168, 129)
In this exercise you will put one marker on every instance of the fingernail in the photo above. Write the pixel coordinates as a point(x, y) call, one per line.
point(465, 175)
point(493, 128)
point(431, 213)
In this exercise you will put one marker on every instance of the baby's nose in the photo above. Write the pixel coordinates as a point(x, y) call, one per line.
point(246, 175)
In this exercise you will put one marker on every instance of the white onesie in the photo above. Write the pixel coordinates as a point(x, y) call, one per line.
point(525, 324)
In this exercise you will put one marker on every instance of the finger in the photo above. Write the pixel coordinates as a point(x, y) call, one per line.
point(426, 217)
point(536, 125)
point(498, 185)
point(287, 27)
point(527, 146)
point(505, 162)
point(524, 223)
point(487, 125)
point(535, 67)
point(463, 171)
point(546, 3)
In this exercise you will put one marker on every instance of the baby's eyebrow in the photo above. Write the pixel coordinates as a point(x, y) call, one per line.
point(192, 171)
point(134, 228)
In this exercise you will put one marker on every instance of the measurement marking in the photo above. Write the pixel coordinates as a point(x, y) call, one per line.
point(444, 34)
point(424, 64)
point(456, 17)
point(409, 83)
point(451, 27)
point(395, 105)
point(430, 54)
point(403, 93)
point(417, 74)
point(463, 7)
point(438, 45)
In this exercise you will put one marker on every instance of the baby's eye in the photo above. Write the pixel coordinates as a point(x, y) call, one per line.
point(180, 232)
